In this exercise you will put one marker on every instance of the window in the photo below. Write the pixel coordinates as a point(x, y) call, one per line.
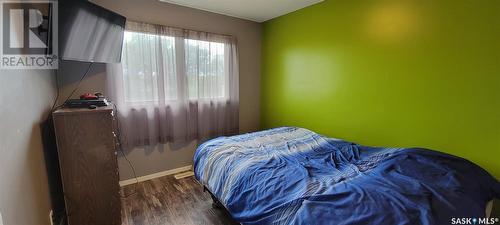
point(205, 68)
point(174, 85)
point(166, 68)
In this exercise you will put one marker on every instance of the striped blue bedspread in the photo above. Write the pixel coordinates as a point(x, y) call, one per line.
point(292, 175)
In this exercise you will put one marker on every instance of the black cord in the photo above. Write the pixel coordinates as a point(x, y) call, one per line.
point(57, 93)
point(52, 109)
point(120, 148)
point(77, 86)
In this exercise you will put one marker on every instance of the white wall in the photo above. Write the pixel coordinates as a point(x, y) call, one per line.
point(26, 97)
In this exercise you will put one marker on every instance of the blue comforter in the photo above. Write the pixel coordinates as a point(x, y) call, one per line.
point(294, 176)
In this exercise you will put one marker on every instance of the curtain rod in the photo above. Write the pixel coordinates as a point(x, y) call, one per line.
point(181, 28)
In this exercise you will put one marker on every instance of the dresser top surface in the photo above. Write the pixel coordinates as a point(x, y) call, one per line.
point(64, 111)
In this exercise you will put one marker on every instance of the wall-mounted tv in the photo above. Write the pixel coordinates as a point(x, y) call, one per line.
point(89, 33)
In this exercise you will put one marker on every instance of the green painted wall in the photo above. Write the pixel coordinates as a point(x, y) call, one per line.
point(389, 73)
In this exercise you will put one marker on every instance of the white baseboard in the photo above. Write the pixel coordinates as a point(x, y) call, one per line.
point(155, 175)
point(184, 175)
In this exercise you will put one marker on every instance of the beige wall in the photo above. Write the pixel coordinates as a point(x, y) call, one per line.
point(26, 97)
point(151, 160)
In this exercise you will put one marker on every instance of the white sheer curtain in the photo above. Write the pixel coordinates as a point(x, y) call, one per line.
point(174, 85)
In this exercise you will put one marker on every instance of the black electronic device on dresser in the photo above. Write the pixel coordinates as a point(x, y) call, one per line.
point(86, 103)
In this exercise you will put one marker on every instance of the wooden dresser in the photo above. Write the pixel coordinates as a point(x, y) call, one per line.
point(87, 156)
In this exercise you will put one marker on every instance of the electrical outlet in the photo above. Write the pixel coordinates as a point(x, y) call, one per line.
point(51, 217)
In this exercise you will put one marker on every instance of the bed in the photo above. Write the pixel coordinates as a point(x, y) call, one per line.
point(291, 175)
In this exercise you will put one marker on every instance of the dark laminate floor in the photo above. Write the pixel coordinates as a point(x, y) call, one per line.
point(166, 200)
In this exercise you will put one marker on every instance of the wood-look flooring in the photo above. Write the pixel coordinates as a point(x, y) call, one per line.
point(165, 200)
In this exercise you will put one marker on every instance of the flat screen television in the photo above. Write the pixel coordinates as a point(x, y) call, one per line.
point(89, 33)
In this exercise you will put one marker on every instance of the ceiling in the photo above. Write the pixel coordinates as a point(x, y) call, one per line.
point(255, 10)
